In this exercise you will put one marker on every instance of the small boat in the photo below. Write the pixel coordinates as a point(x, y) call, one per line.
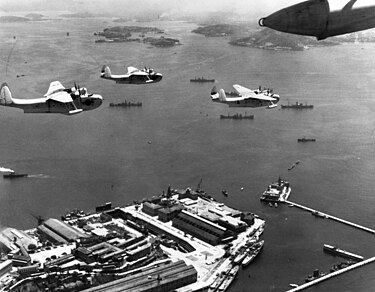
point(15, 175)
point(293, 285)
point(225, 193)
point(304, 139)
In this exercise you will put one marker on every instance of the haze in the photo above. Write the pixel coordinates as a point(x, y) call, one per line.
point(253, 9)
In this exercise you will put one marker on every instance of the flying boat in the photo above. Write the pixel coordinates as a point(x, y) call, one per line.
point(259, 97)
point(58, 99)
point(133, 76)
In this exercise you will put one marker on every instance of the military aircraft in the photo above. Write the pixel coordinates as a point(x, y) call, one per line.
point(246, 97)
point(133, 76)
point(323, 18)
point(58, 99)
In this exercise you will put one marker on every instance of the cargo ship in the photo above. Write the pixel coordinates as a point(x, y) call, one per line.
point(237, 117)
point(306, 139)
point(278, 191)
point(343, 253)
point(15, 175)
point(201, 79)
point(298, 105)
point(125, 103)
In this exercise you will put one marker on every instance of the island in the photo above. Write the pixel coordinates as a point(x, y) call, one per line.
point(217, 30)
point(273, 40)
point(125, 34)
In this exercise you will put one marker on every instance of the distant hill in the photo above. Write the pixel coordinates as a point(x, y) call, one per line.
point(13, 19)
point(274, 40)
point(217, 30)
point(78, 15)
point(34, 16)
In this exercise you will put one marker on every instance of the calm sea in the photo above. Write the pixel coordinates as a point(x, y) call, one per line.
point(177, 138)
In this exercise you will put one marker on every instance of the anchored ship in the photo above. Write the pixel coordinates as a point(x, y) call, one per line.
point(125, 103)
point(201, 79)
point(304, 139)
point(237, 117)
point(297, 105)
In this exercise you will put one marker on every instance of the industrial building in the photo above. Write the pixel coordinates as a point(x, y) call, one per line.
point(161, 277)
point(199, 227)
point(59, 232)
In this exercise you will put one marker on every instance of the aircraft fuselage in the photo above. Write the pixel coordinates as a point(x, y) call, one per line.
point(45, 105)
point(135, 79)
point(245, 102)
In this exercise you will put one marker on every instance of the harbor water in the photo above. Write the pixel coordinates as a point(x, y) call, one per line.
point(177, 138)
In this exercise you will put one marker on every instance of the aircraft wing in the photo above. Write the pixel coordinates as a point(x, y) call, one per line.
point(61, 96)
point(248, 93)
point(241, 90)
point(132, 69)
point(55, 86)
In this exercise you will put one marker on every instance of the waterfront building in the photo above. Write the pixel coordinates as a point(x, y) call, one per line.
point(151, 208)
point(199, 227)
point(59, 232)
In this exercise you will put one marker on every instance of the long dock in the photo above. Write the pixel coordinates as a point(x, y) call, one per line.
point(331, 275)
point(331, 217)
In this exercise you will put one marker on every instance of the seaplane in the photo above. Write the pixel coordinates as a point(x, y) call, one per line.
point(246, 97)
point(58, 99)
point(133, 76)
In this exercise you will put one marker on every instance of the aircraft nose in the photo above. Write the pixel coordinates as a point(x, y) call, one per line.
point(306, 18)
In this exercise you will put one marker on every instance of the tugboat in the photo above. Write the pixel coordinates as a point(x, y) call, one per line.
point(14, 175)
point(201, 79)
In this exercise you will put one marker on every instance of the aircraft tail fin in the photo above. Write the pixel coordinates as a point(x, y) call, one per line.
point(222, 95)
point(106, 72)
point(5, 95)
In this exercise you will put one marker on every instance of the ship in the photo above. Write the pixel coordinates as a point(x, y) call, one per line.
point(14, 175)
point(253, 252)
point(240, 257)
point(229, 279)
point(278, 191)
point(237, 117)
point(314, 276)
point(201, 79)
point(343, 253)
point(304, 139)
point(297, 105)
point(125, 103)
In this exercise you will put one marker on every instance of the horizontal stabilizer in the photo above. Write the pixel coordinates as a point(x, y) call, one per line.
point(76, 111)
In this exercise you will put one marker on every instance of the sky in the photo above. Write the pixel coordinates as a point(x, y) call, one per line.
point(126, 7)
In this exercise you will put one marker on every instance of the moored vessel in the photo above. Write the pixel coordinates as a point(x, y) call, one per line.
point(201, 79)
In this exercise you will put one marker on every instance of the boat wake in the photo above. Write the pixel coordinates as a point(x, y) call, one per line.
point(38, 176)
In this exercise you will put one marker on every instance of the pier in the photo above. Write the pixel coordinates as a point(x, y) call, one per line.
point(331, 275)
point(324, 215)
